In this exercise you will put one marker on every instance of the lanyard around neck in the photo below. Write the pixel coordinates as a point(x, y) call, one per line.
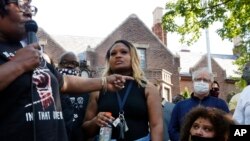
point(121, 102)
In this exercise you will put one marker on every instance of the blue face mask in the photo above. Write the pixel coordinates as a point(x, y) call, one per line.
point(201, 87)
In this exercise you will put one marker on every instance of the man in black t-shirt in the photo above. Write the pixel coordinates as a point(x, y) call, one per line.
point(73, 105)
point(30, 106)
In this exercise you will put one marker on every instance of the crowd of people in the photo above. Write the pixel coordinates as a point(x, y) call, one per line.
point(202, 80)
point(44, 102)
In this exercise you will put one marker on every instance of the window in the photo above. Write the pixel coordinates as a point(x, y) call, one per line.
point(166, 92)
point(142, 57)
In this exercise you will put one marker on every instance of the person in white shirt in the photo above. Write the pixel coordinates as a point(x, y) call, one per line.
point(242, 112)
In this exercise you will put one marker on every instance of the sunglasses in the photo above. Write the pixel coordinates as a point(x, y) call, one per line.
point(24, 5)
point(215, 89)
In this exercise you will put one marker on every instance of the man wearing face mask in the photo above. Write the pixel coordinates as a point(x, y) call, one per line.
point(73, 105)
point(242, 110)
point(202, 79)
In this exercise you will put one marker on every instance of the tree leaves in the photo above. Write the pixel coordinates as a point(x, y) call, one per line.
point(233, 14)
point(189, 17)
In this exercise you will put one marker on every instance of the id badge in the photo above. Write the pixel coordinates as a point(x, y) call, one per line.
point(116, 122)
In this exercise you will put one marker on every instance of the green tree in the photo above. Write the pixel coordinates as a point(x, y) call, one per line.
point(186, 94)
point(189, 17)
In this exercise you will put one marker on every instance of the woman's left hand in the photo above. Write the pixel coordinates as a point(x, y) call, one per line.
point(103, 119)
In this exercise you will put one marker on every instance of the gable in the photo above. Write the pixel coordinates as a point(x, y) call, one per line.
point(135, 31)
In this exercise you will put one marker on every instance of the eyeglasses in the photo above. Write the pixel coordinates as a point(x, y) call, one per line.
point(69, 63)
point(24, 5)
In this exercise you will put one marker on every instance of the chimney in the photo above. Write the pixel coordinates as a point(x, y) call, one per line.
point(157, 26)
point(237, 42)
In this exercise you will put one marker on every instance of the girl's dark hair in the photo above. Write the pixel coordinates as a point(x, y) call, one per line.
point(217, 117)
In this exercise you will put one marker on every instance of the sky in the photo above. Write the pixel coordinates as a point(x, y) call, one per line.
point(99, 18)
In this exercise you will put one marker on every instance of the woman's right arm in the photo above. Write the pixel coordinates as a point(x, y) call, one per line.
point(89, 124)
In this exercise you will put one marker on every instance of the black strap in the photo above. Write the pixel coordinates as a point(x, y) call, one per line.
point(122, 102)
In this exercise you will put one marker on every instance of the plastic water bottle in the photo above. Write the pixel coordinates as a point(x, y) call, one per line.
point(106, 132)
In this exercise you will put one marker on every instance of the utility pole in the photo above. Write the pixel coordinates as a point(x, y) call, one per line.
point(204, 4)
point(209, 64)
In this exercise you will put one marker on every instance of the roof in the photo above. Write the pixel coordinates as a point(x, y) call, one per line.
point(76, 44)
point(190, 59)
point(227, 63)
point(134, 26)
